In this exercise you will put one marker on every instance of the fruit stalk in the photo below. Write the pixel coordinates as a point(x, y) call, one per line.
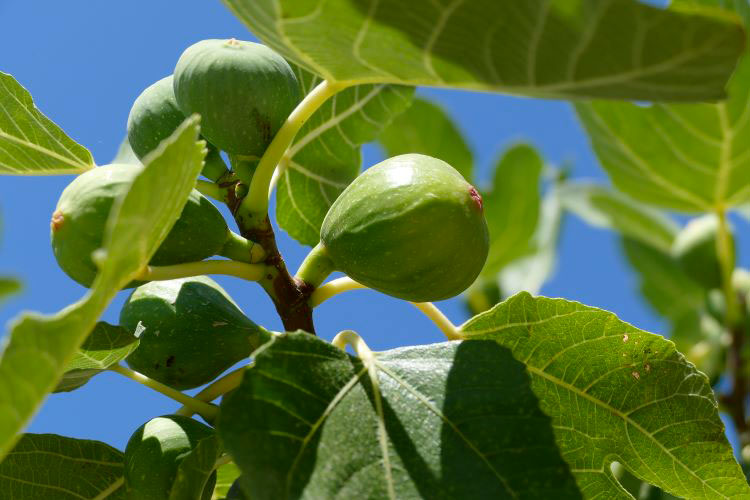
point(206, 410)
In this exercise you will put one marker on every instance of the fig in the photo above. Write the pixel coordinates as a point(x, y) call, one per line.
point(154, 452)
point(410, 227)
point(695, 251)
point(78, 223)
point(244, 92)
point(153, 118)
point(193, 331)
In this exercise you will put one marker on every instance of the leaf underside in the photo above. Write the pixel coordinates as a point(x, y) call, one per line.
point(616, 49)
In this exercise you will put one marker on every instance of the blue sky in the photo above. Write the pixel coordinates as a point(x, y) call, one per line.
point(85, 62)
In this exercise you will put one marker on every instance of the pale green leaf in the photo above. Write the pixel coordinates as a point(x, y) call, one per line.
point(30, 143)
point(325, 155)
point(688, 157)
point(428, 129)
point(511, 207)
point(620, 49)
point(225, 477)
point(617, 393)
point(61, 468)
point(195, 470)
point(605, 208)
point(38, 349)
point(105, 346)
point(449, 420)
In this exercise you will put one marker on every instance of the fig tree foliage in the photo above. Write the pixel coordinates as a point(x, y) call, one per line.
point(530, 397)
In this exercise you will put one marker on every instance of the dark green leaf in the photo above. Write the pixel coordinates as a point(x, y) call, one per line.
point(450, 420)
point(617, 393)
point(30, 143)
point(40, 347)
point(8, 287)
point(427, 129)
point(105, 346)
point(325, 155)
point(620, 49)
point(61, 468)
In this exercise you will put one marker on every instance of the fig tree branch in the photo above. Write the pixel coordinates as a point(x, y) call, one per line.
point(250, 272)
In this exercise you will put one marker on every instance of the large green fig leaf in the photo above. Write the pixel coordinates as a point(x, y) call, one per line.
point(40, 347)
point(603, 207)
point(325, 155)
point(618, 49)
point(681, 301)
point(449, 420)
point(106, 345)
point(51, 466)
point(427, 129)
point(511, 207)
point(617, 393)
point(30, 143)
point(688, 157)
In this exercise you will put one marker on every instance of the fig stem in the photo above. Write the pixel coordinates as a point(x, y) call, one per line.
point(215, 389)
point(256, 202)
point(316, 267)
point(210, 189)
point(250, 272)
point(725, 252)
point(333, 288)
point(451, 331)
point(242, 250)
point(205, 410)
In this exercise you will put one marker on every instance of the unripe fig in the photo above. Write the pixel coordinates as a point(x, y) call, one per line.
point(193, 331)
point(243, 91)
point(155, 116)
point(410, 227)
point(154, 452)
point(78, 223)
point(695, 250)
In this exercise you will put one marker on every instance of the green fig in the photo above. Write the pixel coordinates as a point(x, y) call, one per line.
point(243, 91)
point(79, 221)
point(695, 250)
point(193, 331)
point(410, 227)
point(154, 453)
point(155, 116)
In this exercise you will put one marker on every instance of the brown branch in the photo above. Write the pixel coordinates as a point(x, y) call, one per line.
point(735, 400)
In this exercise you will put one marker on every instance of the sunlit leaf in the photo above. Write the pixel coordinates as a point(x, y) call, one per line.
point(617, 393)
point(30, 143)
point(105, 346)
point(619, 49)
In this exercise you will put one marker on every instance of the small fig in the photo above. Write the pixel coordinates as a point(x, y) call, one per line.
point(155, 116)
point(193, 331)
point(79, 221)
point(695, 250)
point(154, 452)
point(410, 227)
point(243, 91)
